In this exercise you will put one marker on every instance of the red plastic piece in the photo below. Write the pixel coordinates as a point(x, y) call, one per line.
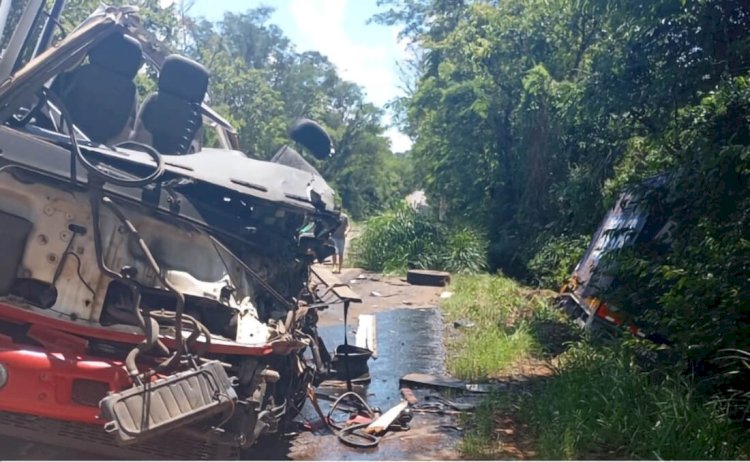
point(41, 382)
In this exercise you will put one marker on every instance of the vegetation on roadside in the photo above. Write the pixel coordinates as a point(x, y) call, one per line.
point(604, 404)
point(403, 238)
point(604, 400)
point(494, 316)
point(556, 257)
point(530, 116)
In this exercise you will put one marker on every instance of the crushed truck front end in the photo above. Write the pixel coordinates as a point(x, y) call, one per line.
point(150, 286)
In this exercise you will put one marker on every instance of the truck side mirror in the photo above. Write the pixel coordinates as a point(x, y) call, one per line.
point(312, 137)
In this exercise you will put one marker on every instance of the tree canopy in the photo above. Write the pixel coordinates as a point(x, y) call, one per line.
point(529, 116)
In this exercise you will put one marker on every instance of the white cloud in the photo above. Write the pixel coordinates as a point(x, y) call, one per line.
point(399, 141)
point(370, 65)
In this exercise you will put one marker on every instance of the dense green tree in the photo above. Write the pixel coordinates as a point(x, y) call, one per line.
point(531, 115)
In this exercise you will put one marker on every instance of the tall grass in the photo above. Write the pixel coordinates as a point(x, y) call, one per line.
point(602, 405)
point(403, 238)
point(604, 402)
point(500, 311)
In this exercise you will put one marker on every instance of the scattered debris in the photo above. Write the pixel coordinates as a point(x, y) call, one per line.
point(451, 427)
point(375, 294)
point(350, 362)
point(484, 387)
point(364, 427)
point(431, 381)
point(452, 404)
point(428, 278)
point(445, 295)
point(369, 277)
point(463, 323)
point(366, 336)
point(408, 395)
point(379, 426)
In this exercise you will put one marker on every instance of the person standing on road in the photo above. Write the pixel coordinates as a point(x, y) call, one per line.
point(339, 242)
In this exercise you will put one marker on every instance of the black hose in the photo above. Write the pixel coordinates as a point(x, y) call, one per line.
point(198, 328)
point(344, 434)
point(365, 440)
point(364, 406)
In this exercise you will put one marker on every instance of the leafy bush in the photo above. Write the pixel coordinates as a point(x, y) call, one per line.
point(602, 405)
point(465, 251)
point(403, 238)
point(556, 258)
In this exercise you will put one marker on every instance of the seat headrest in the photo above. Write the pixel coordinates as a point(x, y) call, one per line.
point(119, 53)
point(183, 78)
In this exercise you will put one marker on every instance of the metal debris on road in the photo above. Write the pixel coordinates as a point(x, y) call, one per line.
point(408, 395)
point(381, 425)
point(428, 278)
point(431, 381)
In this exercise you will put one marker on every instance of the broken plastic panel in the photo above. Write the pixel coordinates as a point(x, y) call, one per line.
point(147, 410)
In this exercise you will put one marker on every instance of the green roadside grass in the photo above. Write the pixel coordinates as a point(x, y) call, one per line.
point(602, 402)
point(500, 311)
point(604, 405)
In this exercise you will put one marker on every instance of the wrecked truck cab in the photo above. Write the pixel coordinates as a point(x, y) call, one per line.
point(148, 284)
point(631, 221)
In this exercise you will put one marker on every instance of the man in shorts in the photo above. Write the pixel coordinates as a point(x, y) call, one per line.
point(339, 242)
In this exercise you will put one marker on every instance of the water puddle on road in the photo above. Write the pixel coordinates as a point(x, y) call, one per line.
point(408, 340)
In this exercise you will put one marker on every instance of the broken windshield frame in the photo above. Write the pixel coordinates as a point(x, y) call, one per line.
point(72, 49)
point(30, 79)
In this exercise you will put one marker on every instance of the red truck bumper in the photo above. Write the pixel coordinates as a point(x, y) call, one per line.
point(57, 385)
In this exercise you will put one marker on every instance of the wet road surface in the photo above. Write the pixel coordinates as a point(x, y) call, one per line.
point(408, 340)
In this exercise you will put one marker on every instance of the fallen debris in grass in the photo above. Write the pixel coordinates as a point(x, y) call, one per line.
point(463, 323)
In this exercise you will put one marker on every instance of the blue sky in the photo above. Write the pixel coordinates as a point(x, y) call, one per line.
point(363, 53)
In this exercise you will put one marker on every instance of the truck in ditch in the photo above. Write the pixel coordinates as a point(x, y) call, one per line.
point(629, 222)
point(157, 297)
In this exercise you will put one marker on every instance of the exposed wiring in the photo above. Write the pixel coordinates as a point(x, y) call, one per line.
point(96, 199)
point(78, 271)
point(344, 434)
point(57, 23)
